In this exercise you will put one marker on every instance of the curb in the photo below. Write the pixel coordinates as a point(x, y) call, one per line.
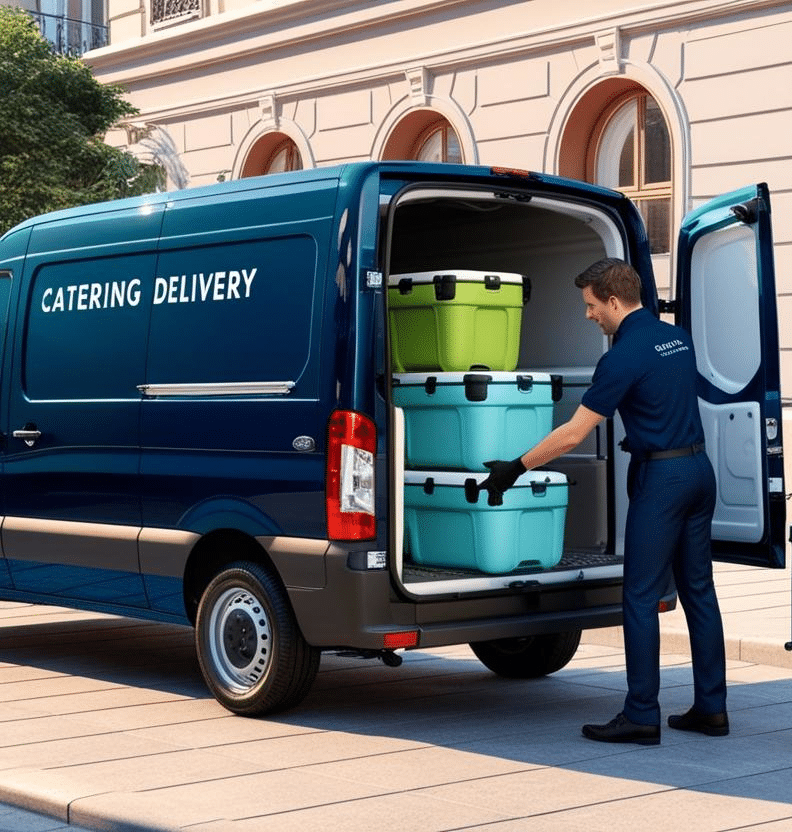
point(675, 640)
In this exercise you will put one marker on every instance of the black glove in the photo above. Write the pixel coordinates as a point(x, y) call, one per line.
point(502, 477)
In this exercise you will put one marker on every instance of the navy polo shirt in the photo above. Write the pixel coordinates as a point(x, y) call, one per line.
point(649, 376)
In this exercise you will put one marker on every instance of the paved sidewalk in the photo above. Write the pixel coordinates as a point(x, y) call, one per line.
point(105, 724)
point(755, 606)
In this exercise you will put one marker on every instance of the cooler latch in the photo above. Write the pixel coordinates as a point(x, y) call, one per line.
point(525, 384)
point(445, 286)
point(476, 387)
point(471, 490)
point(557, 388)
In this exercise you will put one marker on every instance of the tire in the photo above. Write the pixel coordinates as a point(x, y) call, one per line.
point(529, 657)
point(252, 654)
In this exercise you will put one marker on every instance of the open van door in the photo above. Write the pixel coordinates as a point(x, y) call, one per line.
point(726, 299)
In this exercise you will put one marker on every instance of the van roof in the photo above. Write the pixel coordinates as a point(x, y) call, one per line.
point(346, 172)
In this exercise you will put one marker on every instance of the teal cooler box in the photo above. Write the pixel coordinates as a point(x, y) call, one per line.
point(448, 523)
point(461, 420)
point(456, 319)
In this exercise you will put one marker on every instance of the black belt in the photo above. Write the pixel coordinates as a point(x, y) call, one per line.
point(688, 450)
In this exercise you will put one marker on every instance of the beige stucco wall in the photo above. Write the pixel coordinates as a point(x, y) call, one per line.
point(337, 77)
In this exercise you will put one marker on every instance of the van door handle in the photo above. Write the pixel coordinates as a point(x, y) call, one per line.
point(30, 434)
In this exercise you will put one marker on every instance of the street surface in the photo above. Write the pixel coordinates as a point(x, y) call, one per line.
point(106, 725)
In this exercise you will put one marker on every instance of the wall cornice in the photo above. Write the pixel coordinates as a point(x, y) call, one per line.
point(279, 24)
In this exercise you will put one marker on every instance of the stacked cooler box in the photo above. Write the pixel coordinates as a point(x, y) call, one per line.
point(455, 345)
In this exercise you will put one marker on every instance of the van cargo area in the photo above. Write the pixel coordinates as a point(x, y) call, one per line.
point(452, 231)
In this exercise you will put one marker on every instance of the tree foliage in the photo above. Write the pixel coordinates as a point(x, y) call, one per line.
point(54, 114)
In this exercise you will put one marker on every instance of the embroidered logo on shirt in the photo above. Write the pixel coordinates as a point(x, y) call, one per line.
point(670, 347)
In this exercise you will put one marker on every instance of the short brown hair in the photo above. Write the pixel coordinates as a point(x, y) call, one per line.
point(611, 278)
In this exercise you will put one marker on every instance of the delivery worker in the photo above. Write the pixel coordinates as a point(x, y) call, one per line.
point(649, 376)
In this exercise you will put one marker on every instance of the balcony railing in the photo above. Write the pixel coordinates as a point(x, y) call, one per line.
point(164, 10)
point(70, 36)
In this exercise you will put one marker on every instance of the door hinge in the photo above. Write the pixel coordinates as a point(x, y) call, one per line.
point(771, 429)
point(667, 307)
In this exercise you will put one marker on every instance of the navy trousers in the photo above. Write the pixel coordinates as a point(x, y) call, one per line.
point(668, 533)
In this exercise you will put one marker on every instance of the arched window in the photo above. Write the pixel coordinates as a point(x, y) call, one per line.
point(284, 157)
point(272, 153)
point(633, 155)
point(425, 136)
point(439, 143)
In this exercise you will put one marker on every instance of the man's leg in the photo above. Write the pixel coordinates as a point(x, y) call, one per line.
point(657, 517)
point(693, 575)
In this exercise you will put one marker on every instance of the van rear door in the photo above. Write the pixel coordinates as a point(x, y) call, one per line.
point(726, 298)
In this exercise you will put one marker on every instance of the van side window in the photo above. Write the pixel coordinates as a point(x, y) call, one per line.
point(238, 312)
point(5, 294)
point(86, 329)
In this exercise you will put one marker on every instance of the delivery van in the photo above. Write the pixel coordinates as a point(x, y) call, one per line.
point(230, 407)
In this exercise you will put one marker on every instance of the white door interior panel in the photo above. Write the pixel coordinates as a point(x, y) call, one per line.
point(734, 446)
point(725, 308)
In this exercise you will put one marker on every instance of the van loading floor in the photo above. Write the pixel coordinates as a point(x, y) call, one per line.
point(570, 560)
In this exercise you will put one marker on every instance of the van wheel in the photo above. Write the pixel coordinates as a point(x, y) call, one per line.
point(251, 651)
point(529, 657)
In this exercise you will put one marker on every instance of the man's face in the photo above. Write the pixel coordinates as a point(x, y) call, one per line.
point(604, 313)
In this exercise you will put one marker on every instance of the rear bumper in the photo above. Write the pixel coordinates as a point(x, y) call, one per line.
point(356, 609)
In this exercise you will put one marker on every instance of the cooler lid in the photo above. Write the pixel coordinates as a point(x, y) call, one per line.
point(458, 479)
point(491, 376)
point(476, 382)
point(461, 276)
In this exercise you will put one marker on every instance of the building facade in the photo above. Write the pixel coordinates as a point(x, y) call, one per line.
point(671, 102)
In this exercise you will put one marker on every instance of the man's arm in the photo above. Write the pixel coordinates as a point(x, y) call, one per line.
point(503, 475)
point(563, 439)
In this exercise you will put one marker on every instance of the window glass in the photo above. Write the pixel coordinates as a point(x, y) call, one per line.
point(627, 161)
point(285, 157)
point(5, 294)
point(634, 155)
point(656, 216)
point(440, 145)
point(239, 312)
point(86, 329)
point(657, 158)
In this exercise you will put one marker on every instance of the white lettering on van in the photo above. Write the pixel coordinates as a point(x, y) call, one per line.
point(83, 297)
point(236, 284)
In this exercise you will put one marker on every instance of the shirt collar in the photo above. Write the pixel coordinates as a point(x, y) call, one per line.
point(635, 319)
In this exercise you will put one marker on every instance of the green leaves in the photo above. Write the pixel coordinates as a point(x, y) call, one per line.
point(54, 113)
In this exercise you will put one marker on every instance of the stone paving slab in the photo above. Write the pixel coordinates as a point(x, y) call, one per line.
point(105, 724)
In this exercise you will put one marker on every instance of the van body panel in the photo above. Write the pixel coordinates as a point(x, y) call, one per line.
point(171, 364)
point(727, 300)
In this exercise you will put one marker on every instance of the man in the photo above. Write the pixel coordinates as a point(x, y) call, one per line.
point(649, 376)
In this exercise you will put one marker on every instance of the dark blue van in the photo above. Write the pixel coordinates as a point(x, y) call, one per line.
point(184, 375)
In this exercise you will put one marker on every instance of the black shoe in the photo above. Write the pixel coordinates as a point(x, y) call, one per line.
point(713, 725)
point(620, 729)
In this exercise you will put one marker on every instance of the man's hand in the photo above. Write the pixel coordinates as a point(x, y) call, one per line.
point(502, 477)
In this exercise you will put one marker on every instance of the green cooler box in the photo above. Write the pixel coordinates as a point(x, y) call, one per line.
point(454, 320)
point(448, 523)
point(461, 420)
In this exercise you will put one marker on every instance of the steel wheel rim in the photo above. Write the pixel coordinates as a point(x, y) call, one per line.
point(240, 639)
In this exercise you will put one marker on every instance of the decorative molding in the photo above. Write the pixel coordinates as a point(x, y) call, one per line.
point(419, 80)
point(268, 109)
point(609, 46)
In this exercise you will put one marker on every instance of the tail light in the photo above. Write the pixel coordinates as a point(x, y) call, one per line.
point(351, 447)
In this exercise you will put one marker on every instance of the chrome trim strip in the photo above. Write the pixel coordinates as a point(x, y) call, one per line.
point(233, 388)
